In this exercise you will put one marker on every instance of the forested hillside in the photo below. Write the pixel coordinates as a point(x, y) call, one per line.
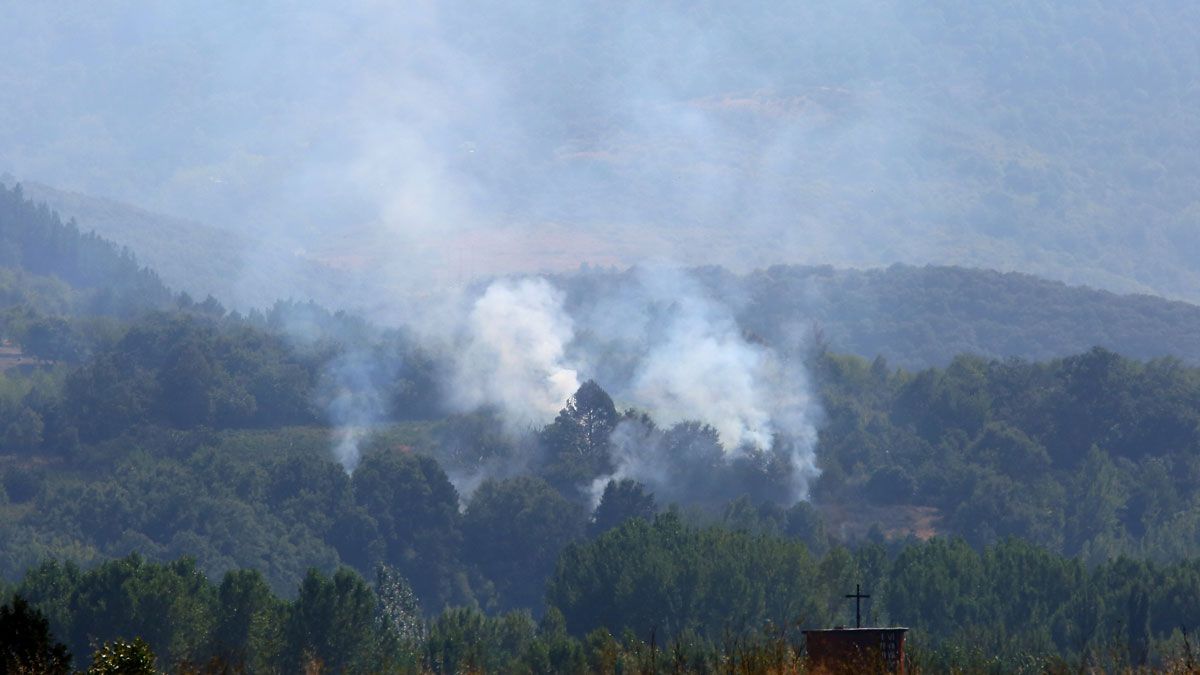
point(921, 316)
point(199, 259)
point(1089, 454)
point(912, 316)
point(202, 439)
point(49, 264)
point(652, 597)
point(925, 316)
point(613, 338)
point(1093, 455)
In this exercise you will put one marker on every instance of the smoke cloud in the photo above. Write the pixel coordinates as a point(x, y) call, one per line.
point(694, 363)
point(386, 145)
point(353, 401)
point(661, 343)
point(512, 355)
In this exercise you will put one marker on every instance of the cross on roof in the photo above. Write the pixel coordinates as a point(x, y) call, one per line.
point(858, 598)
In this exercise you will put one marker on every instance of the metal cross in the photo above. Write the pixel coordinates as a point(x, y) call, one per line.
point(858, 598)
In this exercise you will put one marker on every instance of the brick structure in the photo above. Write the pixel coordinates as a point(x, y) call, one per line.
point(856, 650)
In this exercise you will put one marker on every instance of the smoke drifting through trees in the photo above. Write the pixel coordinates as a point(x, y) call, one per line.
point(511, 353)
point(659, 343)
point(351, 388)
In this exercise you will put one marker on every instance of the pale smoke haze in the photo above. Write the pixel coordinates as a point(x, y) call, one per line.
point(512, 354)
point(697, 365)
point(660, 345)
point(397, 143)
point(350, 394)
point(411, 147)
point(401, 148)
point(693, 363)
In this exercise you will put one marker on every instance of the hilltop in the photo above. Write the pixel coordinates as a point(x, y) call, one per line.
point(915, 317)
point(919, 316)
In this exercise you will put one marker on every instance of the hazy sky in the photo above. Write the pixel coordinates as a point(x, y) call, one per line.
point(403, 139)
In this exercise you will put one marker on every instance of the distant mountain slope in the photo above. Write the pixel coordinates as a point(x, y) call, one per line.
point(913, 316)
point(191, 256)
point(54, 267)
point(240, 270)
point(918, 316)
point(921, 316)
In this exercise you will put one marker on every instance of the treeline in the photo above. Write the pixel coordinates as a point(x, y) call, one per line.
point(68, 270)
point(647, 596)
point(1092, 456)
point(917, 317)
point(1009, 603)
point(195, 366)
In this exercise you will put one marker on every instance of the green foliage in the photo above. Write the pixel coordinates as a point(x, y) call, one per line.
point(332, 621)
point(670, 578)
point(467, 640)
point(247, 629)
point(170, 606)
point(620, 501)
point(576, 443)
point(1080, 454)
point(122, 657)
point(407, 502)
point(187, 371)
point(689, 598)
point(516, 529)
point(109, 279)
point(26, 644)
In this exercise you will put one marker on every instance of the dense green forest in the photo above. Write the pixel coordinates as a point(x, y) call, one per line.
point(1004, 509)
point(656, 596)
point(52, 265)
point(785, 343)
point(1092, 456)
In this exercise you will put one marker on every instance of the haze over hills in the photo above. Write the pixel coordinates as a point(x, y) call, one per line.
point(569, 321)
point(194, 257)
point(272, 450)
point(455, 140)
point(914, 317)
point(189, 256)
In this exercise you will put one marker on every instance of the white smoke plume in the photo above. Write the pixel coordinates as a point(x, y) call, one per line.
point(661, 344)
point(512, 356)
point(695, 363)
point(353, 402)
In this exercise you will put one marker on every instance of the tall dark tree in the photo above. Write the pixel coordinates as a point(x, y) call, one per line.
point(415, 509)
point(514, 531)
point(246, 609)
point(26, 645)
point(333, 622)
point(1137, 625)
point(622, 499)
point(576, 443)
